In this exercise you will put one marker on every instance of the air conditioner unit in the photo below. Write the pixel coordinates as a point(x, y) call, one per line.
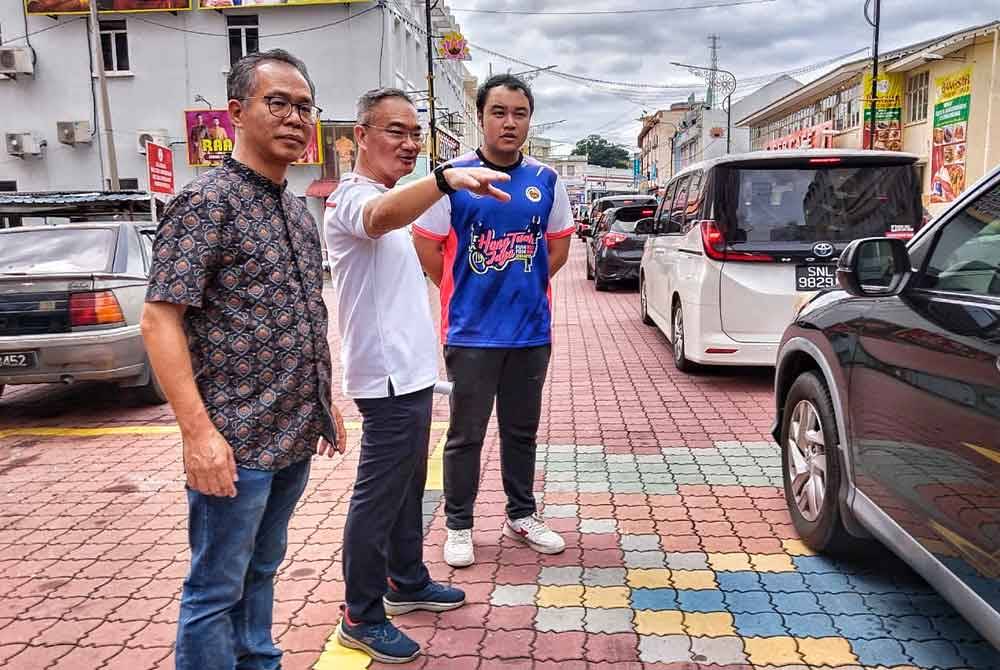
point(23, 145)
point(155, 135)
point(15, 61)
point(73, 132)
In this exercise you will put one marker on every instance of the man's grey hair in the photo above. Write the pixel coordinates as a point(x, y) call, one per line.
point(370, 100)
point(242, 77)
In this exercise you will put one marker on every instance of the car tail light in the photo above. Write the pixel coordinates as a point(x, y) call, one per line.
point(824, 161)
point(715, 246)
point(94, 309)
point(647, 212)
point(612, 239)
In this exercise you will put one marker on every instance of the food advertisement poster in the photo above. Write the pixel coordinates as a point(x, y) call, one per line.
point(57, 7)
point(951, 129)
point(888, 113)
point(210, 136)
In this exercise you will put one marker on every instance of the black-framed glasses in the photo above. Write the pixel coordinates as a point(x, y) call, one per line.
point(399, 134)
point(281, 108)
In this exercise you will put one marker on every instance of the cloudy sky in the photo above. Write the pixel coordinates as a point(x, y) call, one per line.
point(768, 36)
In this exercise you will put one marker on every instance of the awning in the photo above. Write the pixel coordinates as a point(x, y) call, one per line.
point(322, 188)
point(81, 204)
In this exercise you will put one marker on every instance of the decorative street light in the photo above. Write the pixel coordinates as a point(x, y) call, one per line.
point(725, 84)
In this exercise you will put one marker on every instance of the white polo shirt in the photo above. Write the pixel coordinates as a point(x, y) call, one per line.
point(384, 315)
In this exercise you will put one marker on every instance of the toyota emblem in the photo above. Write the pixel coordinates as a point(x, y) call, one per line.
point(823, 249)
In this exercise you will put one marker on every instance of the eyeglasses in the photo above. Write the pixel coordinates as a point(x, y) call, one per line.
point(282, 108)
point(399, 135)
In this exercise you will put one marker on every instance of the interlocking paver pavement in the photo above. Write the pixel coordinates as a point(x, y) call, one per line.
point(680, 553)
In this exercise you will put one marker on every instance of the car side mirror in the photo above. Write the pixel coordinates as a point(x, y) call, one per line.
point(874, 267)
point(645, 226)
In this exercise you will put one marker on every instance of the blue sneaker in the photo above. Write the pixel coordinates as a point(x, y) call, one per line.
point(382, 641)
point(434, 598)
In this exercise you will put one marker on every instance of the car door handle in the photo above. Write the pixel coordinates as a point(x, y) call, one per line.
point(659, 252)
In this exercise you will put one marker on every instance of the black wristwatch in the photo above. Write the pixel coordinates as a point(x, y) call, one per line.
point(442, 183)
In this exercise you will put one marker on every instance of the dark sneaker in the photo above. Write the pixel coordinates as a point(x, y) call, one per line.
point(382, 641)
point(434, 598)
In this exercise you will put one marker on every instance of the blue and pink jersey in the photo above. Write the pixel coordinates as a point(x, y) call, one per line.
point(495, 285)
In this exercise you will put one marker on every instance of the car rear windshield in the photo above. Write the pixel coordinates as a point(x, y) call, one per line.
point(788, 206)
point(56, 250)
point(626, 218)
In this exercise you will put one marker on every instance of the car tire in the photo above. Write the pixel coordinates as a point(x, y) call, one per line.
point(590, 271)
point(643, 303)
point(151, 393)
point(599, 284)
point(677, 340)
point(2, 387)
point(811, 467)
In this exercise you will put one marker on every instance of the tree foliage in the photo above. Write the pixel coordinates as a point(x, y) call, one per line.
point(600, 151)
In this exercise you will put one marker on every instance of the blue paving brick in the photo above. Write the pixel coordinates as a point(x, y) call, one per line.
point(700, 600)
point(796, 603)
point(738, 581)
point(654, 599)
point(786, 582)
point(931, 604)
point(873, 584)
point(810, 625)
point(912, 627)
point(955, 628)
point(860, 627)
point(842, 603)
point(760, 625)
point(879, 652)
point(933, 654)
point(748, 602)
point(980, 655)
point(890, 604)
point(826, 582)
point(816, 564)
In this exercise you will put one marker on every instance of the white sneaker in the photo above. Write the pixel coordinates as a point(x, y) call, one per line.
point(532, 531)
point(458, 548)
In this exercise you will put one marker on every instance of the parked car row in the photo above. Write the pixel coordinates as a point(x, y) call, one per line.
point(71, 298)
point(887, 352)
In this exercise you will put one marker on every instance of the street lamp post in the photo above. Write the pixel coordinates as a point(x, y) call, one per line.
point(728, 85)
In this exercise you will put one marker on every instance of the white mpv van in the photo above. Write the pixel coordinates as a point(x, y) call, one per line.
point(738, 244)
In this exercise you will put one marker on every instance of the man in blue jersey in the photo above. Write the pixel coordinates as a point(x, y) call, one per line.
point(493, 261)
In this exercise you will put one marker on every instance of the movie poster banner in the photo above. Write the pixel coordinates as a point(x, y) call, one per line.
point(951, 129)
point(888, 115)
point(223, 4)
point(210, 136)
point(57, 7)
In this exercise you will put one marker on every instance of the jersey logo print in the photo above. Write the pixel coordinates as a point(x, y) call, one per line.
point(489, 252)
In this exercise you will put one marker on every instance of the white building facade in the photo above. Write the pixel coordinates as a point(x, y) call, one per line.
point(161, 64)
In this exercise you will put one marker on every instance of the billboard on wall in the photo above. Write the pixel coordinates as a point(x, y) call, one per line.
point(951, 129)
point(223, 4)
point(888, 115)
point(813, 137)
point(56, 7)
point(210, 136)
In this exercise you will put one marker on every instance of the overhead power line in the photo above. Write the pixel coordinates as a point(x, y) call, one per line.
point(598, 12)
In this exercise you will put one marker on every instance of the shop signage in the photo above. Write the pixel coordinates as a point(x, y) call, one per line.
point(224, 4)
point(888, 115)
point(160, 163)
point(210, 136)
point(813, 137)
point(453, 46)
point(951, 129)
point(57, 7)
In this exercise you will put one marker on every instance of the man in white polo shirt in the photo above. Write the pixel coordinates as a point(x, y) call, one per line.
point(389, 351)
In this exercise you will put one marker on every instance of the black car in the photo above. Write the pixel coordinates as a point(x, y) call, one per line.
point(888, 405)
point(614, 249)
point(601, 205)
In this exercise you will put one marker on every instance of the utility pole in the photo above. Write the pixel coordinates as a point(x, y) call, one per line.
point(874, 92)
point(109, 133)
point(432, 149)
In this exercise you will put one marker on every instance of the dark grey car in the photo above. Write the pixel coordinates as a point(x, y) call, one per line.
point(614, 248)
point(71, 297)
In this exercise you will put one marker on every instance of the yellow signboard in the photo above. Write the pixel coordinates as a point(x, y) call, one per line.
point(887, 120)
point(56, 7)
point(224, 4)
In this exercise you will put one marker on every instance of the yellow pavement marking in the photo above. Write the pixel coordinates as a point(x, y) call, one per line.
point(139, 429)
point(337, 657)
point(991, 454)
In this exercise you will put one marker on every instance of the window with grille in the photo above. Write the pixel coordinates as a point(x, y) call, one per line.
point(917, 97)
point(244, 36)
point(114, 46)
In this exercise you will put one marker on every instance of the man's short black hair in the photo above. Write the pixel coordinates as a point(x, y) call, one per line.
point(513, 82)
point(243, 76)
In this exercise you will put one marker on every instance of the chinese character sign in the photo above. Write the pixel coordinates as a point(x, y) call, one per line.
point(210, 136)
point(951, 127)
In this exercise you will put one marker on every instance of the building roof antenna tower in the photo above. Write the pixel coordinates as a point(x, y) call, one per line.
point(713, 51)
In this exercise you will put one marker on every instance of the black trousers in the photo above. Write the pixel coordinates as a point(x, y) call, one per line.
point(515, 378)
point(384, 535)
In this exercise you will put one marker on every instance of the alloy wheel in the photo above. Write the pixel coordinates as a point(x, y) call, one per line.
point(807, 460)
point(678, 334)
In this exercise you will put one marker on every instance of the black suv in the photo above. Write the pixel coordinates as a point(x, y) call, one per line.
point(888, 404)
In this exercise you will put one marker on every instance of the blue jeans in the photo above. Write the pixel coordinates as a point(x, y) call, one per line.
point(237, 545)
point(384, 534)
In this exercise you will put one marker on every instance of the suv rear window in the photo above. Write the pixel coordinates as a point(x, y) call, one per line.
point(626, 217)
point(56, 250)
point(781, 207)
